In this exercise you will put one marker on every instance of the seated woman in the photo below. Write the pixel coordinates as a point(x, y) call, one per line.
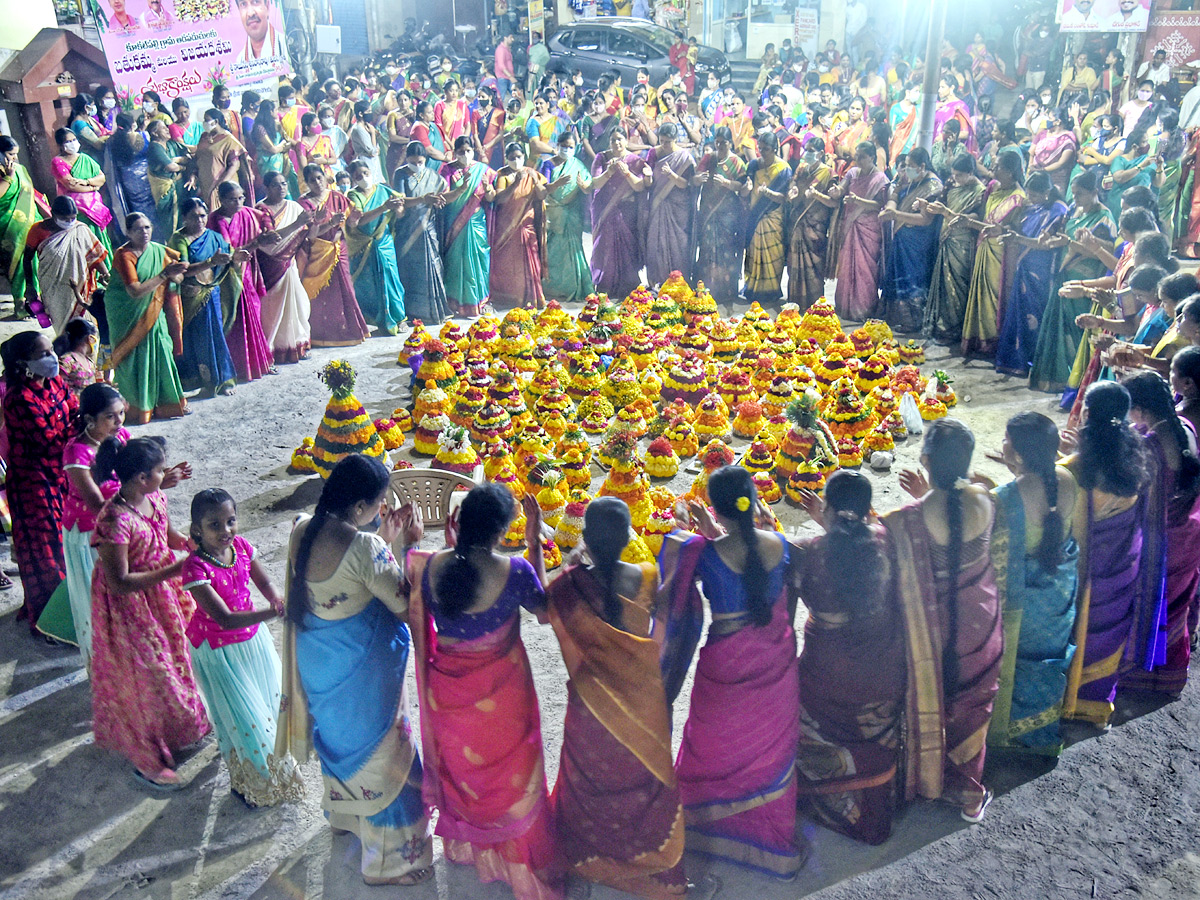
point(947, 589)
point(852, 670)
point(739, 796)
point(480, 726)
point(346, 642)
point(616, 801)
point(1036, 560)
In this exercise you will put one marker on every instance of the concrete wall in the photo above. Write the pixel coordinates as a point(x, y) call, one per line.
point(22, 20)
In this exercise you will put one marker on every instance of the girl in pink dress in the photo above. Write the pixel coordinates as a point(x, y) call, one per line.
point(145, 704)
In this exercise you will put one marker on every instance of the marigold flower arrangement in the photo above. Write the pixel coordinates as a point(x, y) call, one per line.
point(944, 392)
point(746, 335)
point(808, 353)
point(781, 341)
point(908, 380)
point(425, 438)
point(660, 524)
point(575, 470)
point(683, 439)
point(468, 402)
point(880, 440)
point(749, 420)
point(807, 439)
point(663, 312)
point(725, 344)
point(850, 454)
point(491, 422)
point(767, 487)
point(586, 375)
point(712, 417)
point(514, 538)
point(636, 551)
point(872, 374)
point(759, 458)
point(570, 526)
point(631, 418)
point(846, 413)
point(641, 348)
point(618, 442)
point(863, 343)
point(599, 340)
point(777, 428)
point(878, 329)
point(550, 498)
point(932, 408)
point(625, 480)
point(651, 383)
point(661, 461)
point(498, 466)
point(758, 318)
point(912, 354)
point(882, 401)
point(554, 400)
point(436, 367)
point(594, 413)
point(346, 428)
point(452, 336)
point(455, 453)
point(302, 461)
point(734, 387)
point(389, 433)
point(830, 368)
point(676, 287)
point(413, 352)
point(686, 380)
point(777, 397)
point(807, 478)
point(820, 322)
point(700, 303)
point(894, 423)
point(574, 439)
point(621, 383)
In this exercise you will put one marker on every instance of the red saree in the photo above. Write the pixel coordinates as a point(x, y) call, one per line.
point(482, 741)
point(953, 659)
point(616, 801)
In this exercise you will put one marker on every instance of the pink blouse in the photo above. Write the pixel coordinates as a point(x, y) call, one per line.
point(232, 585)
point(80, 453)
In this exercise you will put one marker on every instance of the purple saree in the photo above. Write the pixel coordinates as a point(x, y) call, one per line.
point(669, 218)
point(252, 357)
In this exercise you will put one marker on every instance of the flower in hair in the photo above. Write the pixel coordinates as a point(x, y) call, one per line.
point(743, 504)
point(961, 484)
point(849, 515)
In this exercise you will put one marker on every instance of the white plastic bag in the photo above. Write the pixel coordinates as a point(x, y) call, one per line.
point(911, 415)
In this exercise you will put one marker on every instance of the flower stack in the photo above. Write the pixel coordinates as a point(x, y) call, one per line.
point(491, 422)
point(425, 438)
point(943, 391)
point(846, 413)
point(346, 428)
point(389, 433)
point(712, 417)
point(807, 440)
point(570, 526)
point(455, 453)
point(437, 367)
point(820, 322)
point(749, 420)
point(661, 461)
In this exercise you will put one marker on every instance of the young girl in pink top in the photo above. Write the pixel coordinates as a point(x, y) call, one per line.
point(235, 662)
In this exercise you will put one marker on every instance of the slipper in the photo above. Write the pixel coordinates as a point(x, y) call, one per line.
point(704, 889)
point(988, 796)
point(5, 582)
point(159, 787)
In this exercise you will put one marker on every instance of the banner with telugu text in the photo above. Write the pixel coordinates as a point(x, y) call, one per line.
point(183, 48)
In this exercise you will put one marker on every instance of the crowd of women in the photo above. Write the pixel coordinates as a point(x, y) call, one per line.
point(979, 616)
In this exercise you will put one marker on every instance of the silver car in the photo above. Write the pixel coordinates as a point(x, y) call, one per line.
point(624, 45)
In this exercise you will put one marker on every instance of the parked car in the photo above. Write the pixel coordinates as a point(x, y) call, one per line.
point(625, 45)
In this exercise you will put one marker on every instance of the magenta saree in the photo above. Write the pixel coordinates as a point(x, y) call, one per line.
point(244, 336)
point(860, 259)
point(617, 250)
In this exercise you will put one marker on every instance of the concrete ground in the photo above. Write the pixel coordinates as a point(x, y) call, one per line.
point(1116, 817)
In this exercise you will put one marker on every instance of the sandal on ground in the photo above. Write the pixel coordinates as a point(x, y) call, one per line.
point(409, 879)
point(5, 582)
point(164, 781)
point(977, 817)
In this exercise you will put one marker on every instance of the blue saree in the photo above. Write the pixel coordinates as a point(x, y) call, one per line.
point(208, 299)
point(373, 263)
point(1032, 282)
point(1039, 619)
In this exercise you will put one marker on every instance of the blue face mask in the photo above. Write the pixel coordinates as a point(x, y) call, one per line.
point(43, 366)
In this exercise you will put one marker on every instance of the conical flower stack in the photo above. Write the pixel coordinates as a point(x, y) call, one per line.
point(346, 428)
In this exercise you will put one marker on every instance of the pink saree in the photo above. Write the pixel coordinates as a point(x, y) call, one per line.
point(482, 740)
point(248, 345)
point(518, 243)
point(335, 317)
point(860, 259)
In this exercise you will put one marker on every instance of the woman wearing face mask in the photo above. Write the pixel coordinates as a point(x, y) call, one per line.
point(668, 235)
point(451, 114)
point(364, 140)
point(542, 131)
point(1033, 276)
point(316, 146)
point(467, 254)
point(426, 131)
point(418, 245)
point(291, 108)
point(152, 109)
point(1131, 111)
point(913, 247)
point(1104, 146)
point(720, 220)
point(209, 284)
point(518, 233)
point(76, 175)
point(1133, 167)
point(857, 130)
point(568, 277)
point(336, 319)
point(488, 126)
point(285, 308)
point(1169, 145)
point(1054, 149)
point(70, 261)
point(373, 250)
point(220, 158)
point(596, 127)
point(37, 408)
point(86, 125)
point(766, 187)
point(183, 130)
point(617, 184)
point(398, 125)
point(810, 210)
point(106, 106)
point(273, 147)
point(167, 162)
point(863, 191)
point(127, 165)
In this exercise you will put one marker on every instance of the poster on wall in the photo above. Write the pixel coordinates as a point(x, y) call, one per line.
point(1103, 15)
point(183, 48)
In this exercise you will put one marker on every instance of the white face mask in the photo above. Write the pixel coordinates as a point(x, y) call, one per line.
point(912, 173)
point(566, 152)
point(109, 102)
point(1143, 95)
point(290, 101)
point(210, 126)
point(71, 146)
point(91, 110)
point(470, 92)
point(327, 123)
point(63, 224)
point(150, 106)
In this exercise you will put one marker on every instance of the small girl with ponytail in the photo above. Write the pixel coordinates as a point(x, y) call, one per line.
point(234, 660)
point(145, 703)
point(480, 725)
point(945, 570)
point(746, 684)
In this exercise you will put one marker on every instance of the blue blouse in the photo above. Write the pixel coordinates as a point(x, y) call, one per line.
point(521, 589)
point(723, 586)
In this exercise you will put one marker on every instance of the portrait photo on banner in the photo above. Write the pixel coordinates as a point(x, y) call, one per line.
point(1103, 15)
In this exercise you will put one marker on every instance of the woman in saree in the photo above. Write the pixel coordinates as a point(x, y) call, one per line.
point(143, 326)
point(314, 148)
point(345, 651)
point(809, 216)
point(335, 318)
point(480, 725)
point(183, 129)
point(273, 148)
point(1120, 587)
point(668, 236)
point(950, 106)
point(1058, 335)
point(418, 246)
point(128, 158)
point(398, 126)
point(220, 159)
point(1133, 167)
point(1174, 520)
point(739, 797)
point(489, 127)
point(845, 142)
point(860, 235)
point(70, 263)
point(426, 131)
point(568, 278)
point(616, 802)
point(992, 273)
point(1034, 274)
point(285, 305)
point(77, 176)
point(21, 205)
point(852, 669)
point(617, 249)
point(1054, 149)
point(1170, 144)
point(542, 130)
point(518, 233)
point(37, 407)
point(947, 590)
point(245, 228)
point(85, 123)
point(902, 119)
point(914, 239)
point(765, 186)
point(209, 291)
point(950, 283)
point(373, 250)
point(597, 127)
point(451, 114)
point(364, 140)
point(718, 230)
point(167, 161)
point(467, 253)
point(1036, 560)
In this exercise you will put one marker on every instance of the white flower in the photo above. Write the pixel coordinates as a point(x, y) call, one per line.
point(961, 484)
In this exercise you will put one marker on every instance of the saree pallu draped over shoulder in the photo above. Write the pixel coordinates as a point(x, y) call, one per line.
point(617, 248)
point(616, 802)
point(482, 740)
point(953, 661)
point(992, 275)
point(808, 241)
point(740, 796)
point(718, 229)
point(766, 242)
point(208, 300)
point(668, 237)
point(285, 306)
point(252, 357)
point(335, 317)
point(950, 283)
point(860, 252)
point(518, 242)
point(373, 263)
point(467, 254)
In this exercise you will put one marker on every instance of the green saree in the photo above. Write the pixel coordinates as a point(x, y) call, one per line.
point(18, 213)
point(568, 276)
point(951, 281)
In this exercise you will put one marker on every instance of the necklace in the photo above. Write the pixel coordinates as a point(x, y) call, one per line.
point(87, 432)
point(216, 562)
